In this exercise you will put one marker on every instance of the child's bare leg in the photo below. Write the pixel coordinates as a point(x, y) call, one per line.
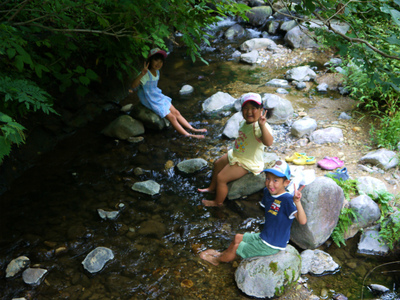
point(178, 127)
point(215, 257)
point(219, 164)
point(228, 173)
point(183, 121)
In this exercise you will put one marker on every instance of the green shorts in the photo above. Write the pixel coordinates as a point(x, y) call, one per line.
point(253, 245)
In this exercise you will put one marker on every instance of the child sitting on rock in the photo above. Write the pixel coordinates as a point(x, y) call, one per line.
point(248, 153)
point(280, 210)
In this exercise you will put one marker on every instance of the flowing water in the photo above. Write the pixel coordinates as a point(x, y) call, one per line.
point(50, 212)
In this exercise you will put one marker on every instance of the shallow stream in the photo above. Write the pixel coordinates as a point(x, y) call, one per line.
point(155, 240)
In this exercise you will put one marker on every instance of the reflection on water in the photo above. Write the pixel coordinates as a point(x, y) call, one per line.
point(156, 239)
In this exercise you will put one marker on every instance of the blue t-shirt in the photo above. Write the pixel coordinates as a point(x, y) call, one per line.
point(279, 216)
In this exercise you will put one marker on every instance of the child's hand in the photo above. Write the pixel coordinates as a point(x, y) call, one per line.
point(263, 118)
point(297, 194)
point(145, 68)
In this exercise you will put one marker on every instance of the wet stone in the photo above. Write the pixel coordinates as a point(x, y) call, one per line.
point(192, 165)
point(107, 215)
point(317, 262)
point(33, 275)
point(17, 265)
point(149, 187)
point(97, 258)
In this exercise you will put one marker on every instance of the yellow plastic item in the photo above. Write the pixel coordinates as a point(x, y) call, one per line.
point(305, 160)
point(294, 156)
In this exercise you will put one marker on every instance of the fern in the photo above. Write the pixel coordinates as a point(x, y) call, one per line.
point(19, 98)
point(22, 96)
point(348, 186)
point(346, 218)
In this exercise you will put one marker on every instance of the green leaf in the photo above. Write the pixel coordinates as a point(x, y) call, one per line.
point(79, 70)
point(84, 80)
point(91, 74)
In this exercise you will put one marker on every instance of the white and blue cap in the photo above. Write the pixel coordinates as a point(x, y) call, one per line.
point(250, 97)
point(280, 169)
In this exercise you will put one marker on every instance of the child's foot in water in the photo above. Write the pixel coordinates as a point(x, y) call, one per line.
point(211, 203)
point(211, 255)
point(206, 190)
point(198, 130)
point(196, 136)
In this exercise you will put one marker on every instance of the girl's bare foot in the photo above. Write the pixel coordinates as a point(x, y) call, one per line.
point(198, 130)
point(206, 190)
point(211, 203)
point(211, 255)
point(195, 136)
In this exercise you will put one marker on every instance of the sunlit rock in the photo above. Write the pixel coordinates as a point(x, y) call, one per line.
point(303, 73)
point(218, 101)
point(186, 89)
point(371, 244)
point(381, 158)
point(283, 109)
point(322, 88)
point(149, 187)
point(231, 129)
point(327, 135)
point(367, 212)
point(268, 276)
point(303, 126)
point(370, 185)
point(281, 83)
point(33, 275)
point(250, 57)
point(17, 265)
point(257, 44)
point(191, 165)
point(322, 201)
point(317, 262)
point(97, 258)
point(107, 215)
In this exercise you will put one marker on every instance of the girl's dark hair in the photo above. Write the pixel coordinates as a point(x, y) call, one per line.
point(269, 110)
point(154, 57)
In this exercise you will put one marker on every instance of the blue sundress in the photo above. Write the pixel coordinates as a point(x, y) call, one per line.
point(152, 97)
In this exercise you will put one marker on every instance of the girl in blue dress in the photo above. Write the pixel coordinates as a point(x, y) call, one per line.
point(153, 98)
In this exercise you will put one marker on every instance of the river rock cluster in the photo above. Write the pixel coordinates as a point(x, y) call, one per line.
point(322, 200)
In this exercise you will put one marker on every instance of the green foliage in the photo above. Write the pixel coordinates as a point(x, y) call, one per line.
point(346, 218)
point(390, 230)
point(18, 98)
point(371, 49)
point(348, 186)
point(389, 221)
point(47, 47)
point(387, 132)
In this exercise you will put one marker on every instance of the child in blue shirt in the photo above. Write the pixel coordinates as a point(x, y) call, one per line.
point(152, 97)
point(280, 210)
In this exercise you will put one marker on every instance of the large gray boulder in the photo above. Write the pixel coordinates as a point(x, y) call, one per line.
point(322, 201)
point(218, 101)
point(299, 37)
point(381, 158)
point(123, 128)
point(149, 118)
point(269, 276)
point(303, 126)
point(327, 135)
point(234, 32)
point(250, 58)
point(283, 109)
point(257, 44)
point(367, 212)
point(369, 185)
point(231, 129)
